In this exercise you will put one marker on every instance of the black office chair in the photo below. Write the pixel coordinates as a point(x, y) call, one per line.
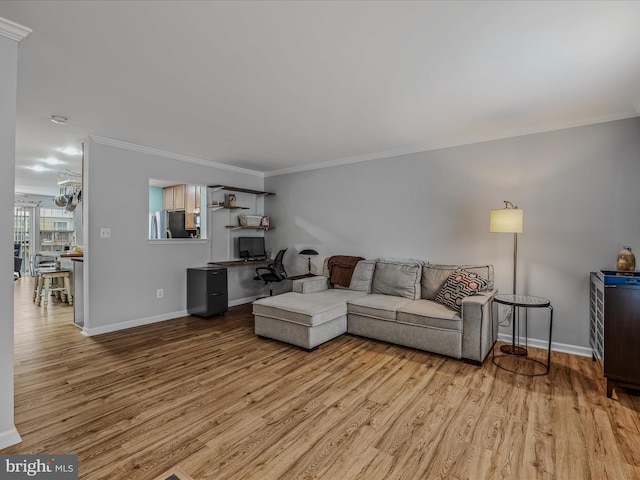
point(272, 273)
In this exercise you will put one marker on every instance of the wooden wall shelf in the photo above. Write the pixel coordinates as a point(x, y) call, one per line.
point(238, 189)
point(218, 207)
point(248, 227)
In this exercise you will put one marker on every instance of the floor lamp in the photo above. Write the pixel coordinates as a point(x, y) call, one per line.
point(510, 219)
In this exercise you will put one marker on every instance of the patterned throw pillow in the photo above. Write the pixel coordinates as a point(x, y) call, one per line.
point(459, 285)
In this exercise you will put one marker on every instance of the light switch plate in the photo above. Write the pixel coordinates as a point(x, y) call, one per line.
point(105, 232)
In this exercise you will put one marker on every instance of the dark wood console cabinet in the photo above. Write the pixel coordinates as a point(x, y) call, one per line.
point(615, 331)
point(207, 293)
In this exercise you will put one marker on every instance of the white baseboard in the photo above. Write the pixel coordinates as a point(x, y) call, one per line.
point(114, 327)
point(242, 301)
point(555, 346)
point(9, 437)
point(90, 332)
point(503, 337)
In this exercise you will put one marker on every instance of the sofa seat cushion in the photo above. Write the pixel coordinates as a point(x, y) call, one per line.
point(306, 308)
point(427, 313)
point(379, 306)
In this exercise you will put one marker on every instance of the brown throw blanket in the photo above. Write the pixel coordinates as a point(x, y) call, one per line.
point(341, 269)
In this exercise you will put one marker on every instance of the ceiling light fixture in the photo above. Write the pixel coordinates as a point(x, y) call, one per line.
point(38, 168)
point(70, 151)
point(52, 161)
point(58, 119)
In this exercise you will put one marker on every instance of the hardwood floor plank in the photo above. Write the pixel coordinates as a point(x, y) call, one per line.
point(209, 397)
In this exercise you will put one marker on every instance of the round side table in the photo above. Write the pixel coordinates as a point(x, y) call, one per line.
point(515, 349)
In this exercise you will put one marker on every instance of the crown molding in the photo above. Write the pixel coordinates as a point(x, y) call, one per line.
point(454, 143)
point(174, 156)
point(13, 30)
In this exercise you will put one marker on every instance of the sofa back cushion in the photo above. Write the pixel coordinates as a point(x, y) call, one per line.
point(434, 276)
point(362, 276)
point(397, 278)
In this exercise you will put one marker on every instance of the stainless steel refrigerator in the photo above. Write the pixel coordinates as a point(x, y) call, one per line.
point(157, 225)
point(163, 224)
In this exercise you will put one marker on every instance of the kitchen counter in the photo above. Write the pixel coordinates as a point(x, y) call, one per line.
point(72, 254)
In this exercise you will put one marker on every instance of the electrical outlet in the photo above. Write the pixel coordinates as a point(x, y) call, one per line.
point(160, 293)
point(105, 232)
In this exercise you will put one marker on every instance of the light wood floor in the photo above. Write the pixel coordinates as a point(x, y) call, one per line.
point(209, 397)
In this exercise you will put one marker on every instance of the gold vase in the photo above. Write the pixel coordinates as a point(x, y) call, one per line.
point(626, 260)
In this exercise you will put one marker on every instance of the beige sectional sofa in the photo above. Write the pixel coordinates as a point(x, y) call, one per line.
point(410, 303)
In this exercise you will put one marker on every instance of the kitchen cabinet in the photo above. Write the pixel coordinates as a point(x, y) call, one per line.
point(173, 197)
point(192, 206)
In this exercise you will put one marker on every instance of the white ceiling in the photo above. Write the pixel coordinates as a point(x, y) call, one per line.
point(282, 86)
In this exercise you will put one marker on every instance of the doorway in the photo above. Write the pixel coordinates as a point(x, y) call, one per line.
point(23, 228)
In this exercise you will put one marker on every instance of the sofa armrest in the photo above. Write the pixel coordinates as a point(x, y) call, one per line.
point(310, 284)
point(477, 329)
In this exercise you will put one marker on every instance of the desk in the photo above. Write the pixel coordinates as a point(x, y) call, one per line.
point(515, 349)
point(238, 263)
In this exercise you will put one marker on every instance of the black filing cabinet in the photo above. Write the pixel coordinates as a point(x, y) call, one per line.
point(207, 291)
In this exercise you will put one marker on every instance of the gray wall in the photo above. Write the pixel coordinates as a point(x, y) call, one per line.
point(578, 188)
point(8, 75)
point(124, 271)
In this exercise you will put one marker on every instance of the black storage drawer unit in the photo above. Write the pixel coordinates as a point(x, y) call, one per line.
point(207, 291)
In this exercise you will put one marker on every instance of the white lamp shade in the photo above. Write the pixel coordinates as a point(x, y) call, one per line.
point(506, 220)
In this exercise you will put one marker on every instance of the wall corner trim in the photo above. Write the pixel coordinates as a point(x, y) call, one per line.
point(174, 156)
point(13, 30)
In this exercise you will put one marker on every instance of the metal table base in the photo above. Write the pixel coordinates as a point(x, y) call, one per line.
point(515, 349)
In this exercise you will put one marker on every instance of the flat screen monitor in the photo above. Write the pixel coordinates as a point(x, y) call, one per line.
point(251, 247)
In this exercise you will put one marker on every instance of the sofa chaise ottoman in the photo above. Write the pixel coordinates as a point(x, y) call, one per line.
point(312, 314)
point(305, 320)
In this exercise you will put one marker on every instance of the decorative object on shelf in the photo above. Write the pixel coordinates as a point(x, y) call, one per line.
point(265, 221)
point(250, 220)
point(229, 200)
point(626, 260)
point(308, 252)
point(509, 219)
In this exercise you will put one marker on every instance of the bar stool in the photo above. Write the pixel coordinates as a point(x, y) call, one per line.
point(37, 284)
point(56, 281)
